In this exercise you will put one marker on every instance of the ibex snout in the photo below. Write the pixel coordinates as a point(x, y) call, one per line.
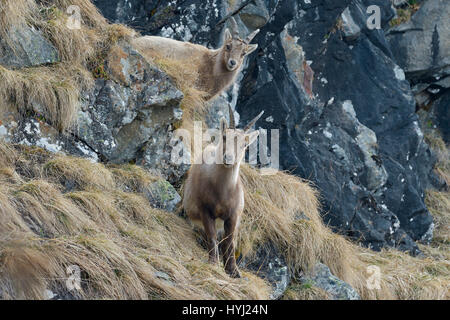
point(228, 160)
point(232, 64)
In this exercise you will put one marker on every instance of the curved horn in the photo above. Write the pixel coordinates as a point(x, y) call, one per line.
point(252, 123)
point(234, 27)
point(232, 122)
point(251, 36)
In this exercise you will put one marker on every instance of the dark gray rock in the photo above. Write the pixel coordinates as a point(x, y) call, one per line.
point(166, 155)
point(255, 15)
point(26, 47)
point(345, 154)
point(322, 278)
point(162, 195)
point(442, 112)
point(422, 45)
point(351, 30)
point(32, 131)
point(269, 264)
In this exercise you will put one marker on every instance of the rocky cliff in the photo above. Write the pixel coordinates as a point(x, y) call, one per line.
point(341, 94)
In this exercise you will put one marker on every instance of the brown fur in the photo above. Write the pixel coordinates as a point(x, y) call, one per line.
point(217, 68)
point(214, 193)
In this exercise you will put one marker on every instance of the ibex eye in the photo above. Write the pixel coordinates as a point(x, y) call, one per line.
point(228, 47)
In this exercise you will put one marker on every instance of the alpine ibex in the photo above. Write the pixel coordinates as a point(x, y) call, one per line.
point(217, 68)
point(213, 193)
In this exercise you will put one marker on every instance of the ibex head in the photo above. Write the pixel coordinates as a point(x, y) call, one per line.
point(235, 141)
point(234, 48)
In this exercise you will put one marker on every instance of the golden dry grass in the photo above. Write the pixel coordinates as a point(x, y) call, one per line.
point(53, 91)
point(305, 292)
point(115, 237)
point(185, 76)
point(104, 224)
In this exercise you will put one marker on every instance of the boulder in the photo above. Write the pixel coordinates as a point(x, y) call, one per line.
point(269, 264)
point(162, 195)
point(321, 277)
point(422, 45)
point(132, 112)
point(32, 131)
point(127, 116)
point(255, 15)
point(26, 47)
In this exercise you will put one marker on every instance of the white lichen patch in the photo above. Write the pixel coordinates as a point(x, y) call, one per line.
point(3, 131)
point(327, 134)
point(399, 73)
point(269, 119)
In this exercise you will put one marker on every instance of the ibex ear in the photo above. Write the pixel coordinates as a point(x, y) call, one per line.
point(250, 48)
point(227, 37)
point(223, 125)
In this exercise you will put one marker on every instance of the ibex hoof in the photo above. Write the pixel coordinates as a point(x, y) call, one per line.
point(234, 273)
point(213, 261)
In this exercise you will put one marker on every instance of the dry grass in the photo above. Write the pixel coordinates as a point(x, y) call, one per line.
point(50, 91)
point(305, 292)
point(115, 237)
point(16, 13)
point(104, 224)
point(405, 14)
point(88, 175)
point(53, 91)
point(185, 76)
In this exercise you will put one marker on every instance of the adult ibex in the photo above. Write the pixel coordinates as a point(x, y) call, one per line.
point(217, 68)
point(213, 192)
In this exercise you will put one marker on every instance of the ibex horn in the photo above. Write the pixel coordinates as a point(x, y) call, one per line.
point(234, 28)
point(251, 36)
point(232, 122)
point(252, 123)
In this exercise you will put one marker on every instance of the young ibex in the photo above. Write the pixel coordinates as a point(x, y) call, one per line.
point(213, 193)
point(217, 69)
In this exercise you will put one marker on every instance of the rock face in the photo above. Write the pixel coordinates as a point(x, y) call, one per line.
point(422, 45)
point(441, 111)
point(337, 93)
point(358, 139)
point(127, 116)
point(132, 110)
point(26, 47)
point(422, 48)
point(322, 278)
